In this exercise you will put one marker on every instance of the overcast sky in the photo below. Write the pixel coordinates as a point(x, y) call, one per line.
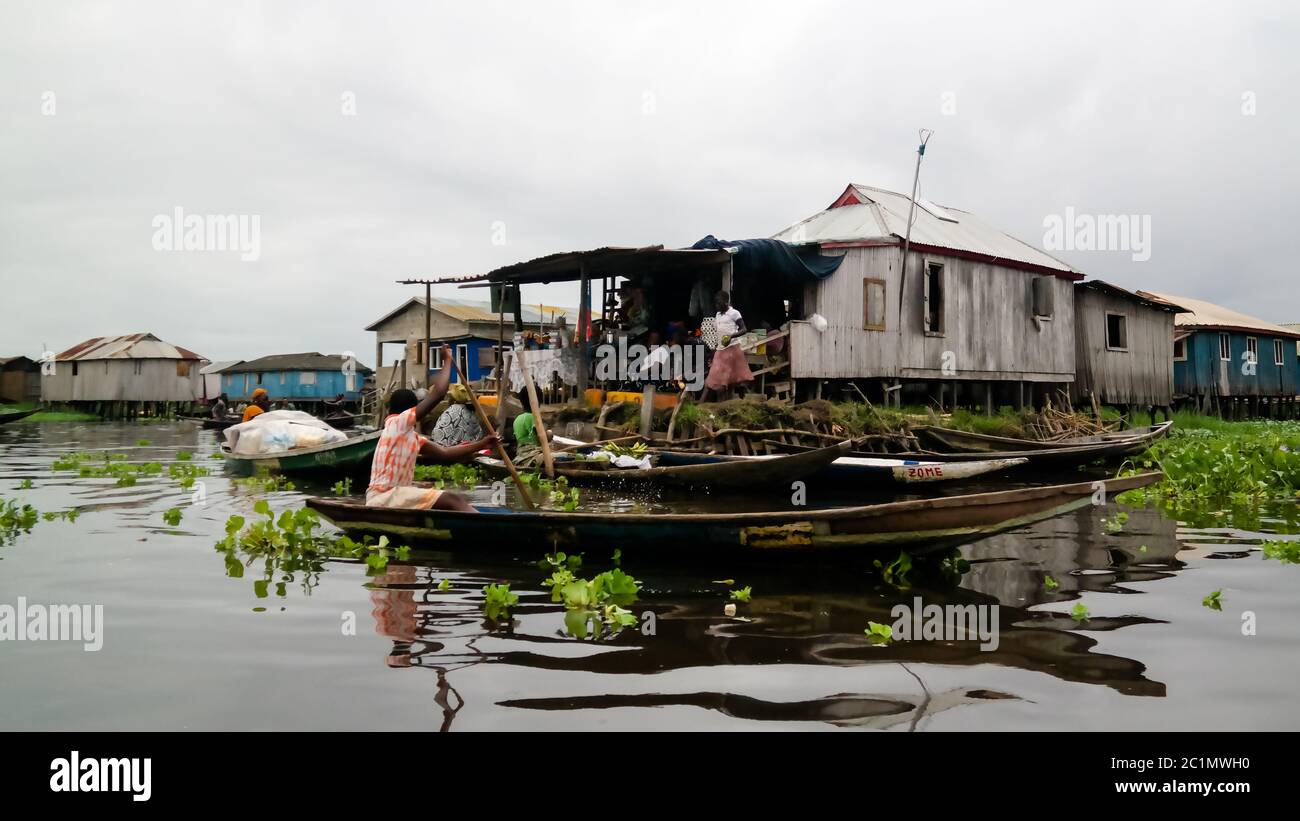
point(559, 126)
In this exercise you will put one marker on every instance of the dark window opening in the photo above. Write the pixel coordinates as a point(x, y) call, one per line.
point(934, 298)
point(1117, 332)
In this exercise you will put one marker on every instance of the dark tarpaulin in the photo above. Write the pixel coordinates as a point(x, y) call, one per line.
point(766, 273)
point(768, 259)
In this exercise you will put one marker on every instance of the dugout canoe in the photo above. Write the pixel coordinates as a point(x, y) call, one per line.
point(208, 423)
point(735, 475)
point(14, 416)
point(352, 456)
point(867, 469)
point(947, 440)
point(927, 523)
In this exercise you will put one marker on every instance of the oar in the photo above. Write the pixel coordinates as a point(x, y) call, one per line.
point(538, 424)
point(487, 426)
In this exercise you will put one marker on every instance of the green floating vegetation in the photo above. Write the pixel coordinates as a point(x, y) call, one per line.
point(498, 601)
point(343, 487)
point(454, 475)
point(49, 415)
point(594, 608)
point(1079, 613)
point(172, 516)
point(1214, 601)
point(26, 484)
point(1286, 551)
point(290, 549)
point(743, 594)
point(558, 491)
point(879, 634)
point(1215, 464)
point(17, 519)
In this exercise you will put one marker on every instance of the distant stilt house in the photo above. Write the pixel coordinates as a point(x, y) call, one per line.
point(20, 379)
point(1231, 363)
point(212, 378)
point(984, 318)
point(470, 328)
point(1124, 352)
point(125, 375)
point(301, 378)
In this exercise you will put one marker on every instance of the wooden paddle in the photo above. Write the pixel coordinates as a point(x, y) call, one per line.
point(487, 426)
point(538, 424)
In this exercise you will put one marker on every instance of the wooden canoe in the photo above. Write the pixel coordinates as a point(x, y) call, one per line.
point(209, 423)
point(959, 441)
point(776, 470)
point(867, 468)
point(352, 456)
point(14, 416)
point(928, 523)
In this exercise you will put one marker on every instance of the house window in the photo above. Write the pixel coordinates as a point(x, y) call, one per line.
point(259, 379)
point(1116, 332)
point(437, 358)
point(873, 304)
point(1278, 354)
point(934, 298)
point(139, 366)
point(1180, 350)
point(74, 368)
point(307, 378)
point(183, 368)
point(1044, 306)
point(462, 361)
point(1225, 351)
point(1252, 349)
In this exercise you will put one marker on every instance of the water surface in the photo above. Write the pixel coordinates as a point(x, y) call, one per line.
point(191, 643)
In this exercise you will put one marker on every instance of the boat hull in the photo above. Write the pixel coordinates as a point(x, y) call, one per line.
point(925, 523)
point(344, 458)
point(867, 469)
point(735, 475)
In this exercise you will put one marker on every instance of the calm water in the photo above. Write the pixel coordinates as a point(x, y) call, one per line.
point(187, 646)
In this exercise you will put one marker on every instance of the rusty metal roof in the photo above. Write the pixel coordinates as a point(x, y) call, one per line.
point(1202, 315)
point(130, 346)
point(863, 213)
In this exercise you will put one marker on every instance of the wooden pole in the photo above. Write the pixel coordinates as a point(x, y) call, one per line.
point(428, 335)
point(538, 424)
point(501, 448)
point(647, 409)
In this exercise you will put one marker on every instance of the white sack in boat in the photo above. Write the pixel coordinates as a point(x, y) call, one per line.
point(278, 431)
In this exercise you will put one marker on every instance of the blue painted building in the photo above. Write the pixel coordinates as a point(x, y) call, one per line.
point(1221, 354)
point(297, 377)
point(470, 328)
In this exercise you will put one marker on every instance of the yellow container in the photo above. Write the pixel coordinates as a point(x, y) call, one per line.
point(662, 401)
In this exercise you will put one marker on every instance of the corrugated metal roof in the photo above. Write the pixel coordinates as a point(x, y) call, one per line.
point(1208, 316)
point(295, 362)
point(217, 367)
point(1150, 300)
point(470, 310)
point(130, 346)
point(863, 213)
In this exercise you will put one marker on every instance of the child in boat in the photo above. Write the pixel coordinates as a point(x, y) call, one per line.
point(393, 470)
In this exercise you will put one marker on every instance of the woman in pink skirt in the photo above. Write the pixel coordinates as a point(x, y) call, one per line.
point(729, 368)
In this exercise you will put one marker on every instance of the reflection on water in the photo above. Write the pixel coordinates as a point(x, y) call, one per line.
point(285, 641)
